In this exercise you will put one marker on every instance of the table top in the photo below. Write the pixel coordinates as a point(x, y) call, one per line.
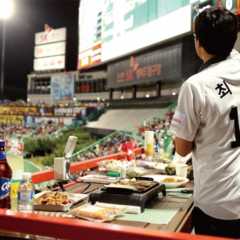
point(162, 213)
point(175, 205)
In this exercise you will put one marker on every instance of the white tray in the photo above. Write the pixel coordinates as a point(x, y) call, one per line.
point(74, 197)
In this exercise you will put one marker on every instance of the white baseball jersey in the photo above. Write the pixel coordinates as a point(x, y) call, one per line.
point(208, 114)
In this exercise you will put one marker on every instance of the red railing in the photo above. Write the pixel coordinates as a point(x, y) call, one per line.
point(83, 230)
point(79, 166)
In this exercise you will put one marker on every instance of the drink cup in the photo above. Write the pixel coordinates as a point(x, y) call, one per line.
point(181, 170)
point(150, 149)
point(149, 143)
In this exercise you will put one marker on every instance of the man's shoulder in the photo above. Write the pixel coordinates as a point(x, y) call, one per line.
point(194, 81)
point(202, 78)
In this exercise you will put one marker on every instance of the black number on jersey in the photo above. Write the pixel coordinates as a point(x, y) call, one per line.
point(234, 117)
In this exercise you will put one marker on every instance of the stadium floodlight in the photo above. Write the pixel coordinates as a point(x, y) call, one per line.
point(6, 9)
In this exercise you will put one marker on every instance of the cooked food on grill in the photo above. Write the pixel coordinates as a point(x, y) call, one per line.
point(134, 184)
point(52, 198)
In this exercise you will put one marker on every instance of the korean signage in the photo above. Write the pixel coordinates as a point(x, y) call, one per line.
point(52, 49)
point(54, 35)
point(160, 65)
point(50, 63)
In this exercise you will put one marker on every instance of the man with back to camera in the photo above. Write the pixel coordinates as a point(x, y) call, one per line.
point(207, 123)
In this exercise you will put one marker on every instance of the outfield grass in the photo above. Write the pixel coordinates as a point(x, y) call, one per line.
point(50, 147)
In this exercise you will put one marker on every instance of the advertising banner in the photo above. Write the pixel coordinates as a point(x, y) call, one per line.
point(62, 87)
point(11, 120)
point(161, 65)
point(54, 35)
point(90, 56)
point(48, 50)
point(14, 110)
point(61, 111)
point(49, 63)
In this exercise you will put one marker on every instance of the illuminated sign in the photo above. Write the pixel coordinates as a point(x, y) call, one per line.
point(160, 65)
point(136, 71)
point(90, 56)
point(53, 35)
point(122, 27)
point(48, 50)
point(50, 63)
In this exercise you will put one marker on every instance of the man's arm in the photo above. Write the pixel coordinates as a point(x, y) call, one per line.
point(183, 147)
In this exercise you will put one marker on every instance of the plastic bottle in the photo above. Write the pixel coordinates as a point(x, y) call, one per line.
point(5, 178)
point(25, 193)
point(15, 182)
point(168, 145)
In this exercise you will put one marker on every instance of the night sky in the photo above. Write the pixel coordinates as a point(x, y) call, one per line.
point(29, 17)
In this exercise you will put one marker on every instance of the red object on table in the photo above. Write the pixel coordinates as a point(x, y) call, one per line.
point(128, 147)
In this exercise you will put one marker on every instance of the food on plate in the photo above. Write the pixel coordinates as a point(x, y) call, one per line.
point(133, 172)
point(95, 212)
point(172, 180)
point(110, 165)
point(52, 198)
point(170, 169)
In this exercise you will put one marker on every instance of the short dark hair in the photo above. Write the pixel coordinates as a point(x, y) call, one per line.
point(216, 29)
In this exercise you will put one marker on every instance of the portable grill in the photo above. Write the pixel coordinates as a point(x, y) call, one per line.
point(138, 197)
